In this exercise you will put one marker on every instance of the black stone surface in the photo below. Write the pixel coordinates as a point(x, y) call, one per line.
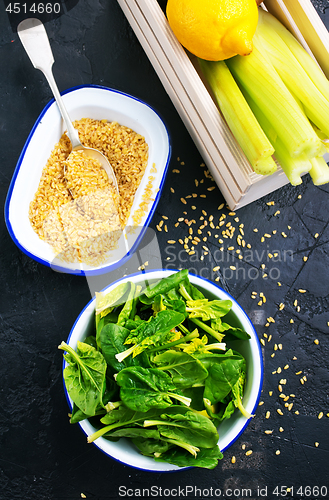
point(41, 455)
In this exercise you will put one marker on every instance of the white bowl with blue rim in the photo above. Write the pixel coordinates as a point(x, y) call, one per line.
point(85, 102)
point(230, 429)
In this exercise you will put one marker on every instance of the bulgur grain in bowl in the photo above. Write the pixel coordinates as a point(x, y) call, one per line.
point(84, 235)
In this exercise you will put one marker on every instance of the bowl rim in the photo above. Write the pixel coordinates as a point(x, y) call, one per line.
point(243, 313)
point(127, 256)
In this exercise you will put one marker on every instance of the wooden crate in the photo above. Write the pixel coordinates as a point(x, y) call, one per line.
point(194, 102)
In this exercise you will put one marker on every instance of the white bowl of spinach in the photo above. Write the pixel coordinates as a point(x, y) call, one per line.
point(162, 371)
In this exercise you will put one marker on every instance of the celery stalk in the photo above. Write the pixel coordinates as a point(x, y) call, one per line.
point(257, 75)
point(239, 117)
point(308, 63)
point(292, 73)
point(292, 167)
point(319, 171)
point(323, 138)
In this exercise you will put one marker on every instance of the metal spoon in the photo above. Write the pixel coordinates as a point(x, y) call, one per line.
point(35, 41)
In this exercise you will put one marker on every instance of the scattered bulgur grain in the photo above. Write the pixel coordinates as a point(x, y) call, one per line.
point(248, 453)
point(316, 341)
point(320, 414)
point(277, 452)
point(233, 460)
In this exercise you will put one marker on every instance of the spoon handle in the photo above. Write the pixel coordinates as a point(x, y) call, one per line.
point(35, 41)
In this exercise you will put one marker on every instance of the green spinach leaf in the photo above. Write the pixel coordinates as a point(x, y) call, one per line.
point(107, 301)
point(224, 372)
point(163, 286)
point(206, 457)
point(185, 370)
point(112, 339)
point(151, 447)
point(207, 310)
point(129, 308)
point(135, 432)
point(145, 388)
point(191, 428)
point(157, 330)
point(85, 376)
point(189, 291)
point(237, 391)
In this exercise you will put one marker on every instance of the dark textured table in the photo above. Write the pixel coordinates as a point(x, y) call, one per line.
point(282, 282)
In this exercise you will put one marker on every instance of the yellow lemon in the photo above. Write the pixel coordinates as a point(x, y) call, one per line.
point(214, 29)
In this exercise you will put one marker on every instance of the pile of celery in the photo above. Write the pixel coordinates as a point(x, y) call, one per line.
point(276, 103)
